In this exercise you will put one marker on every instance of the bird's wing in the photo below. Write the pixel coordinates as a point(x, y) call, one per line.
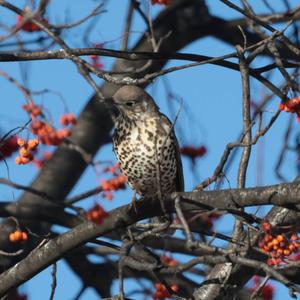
point(179, 176)
point(165, 122)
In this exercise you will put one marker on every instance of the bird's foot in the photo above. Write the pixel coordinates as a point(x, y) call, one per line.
point(133, 203)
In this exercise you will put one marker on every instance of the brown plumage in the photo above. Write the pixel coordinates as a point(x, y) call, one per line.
point(145, 144)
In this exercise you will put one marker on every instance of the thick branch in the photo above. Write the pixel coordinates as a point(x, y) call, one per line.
point(286, 194)
point(120, 218)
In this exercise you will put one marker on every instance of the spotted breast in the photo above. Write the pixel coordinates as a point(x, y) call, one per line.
point(146, 150)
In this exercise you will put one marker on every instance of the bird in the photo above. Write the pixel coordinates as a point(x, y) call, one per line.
point(146, 146)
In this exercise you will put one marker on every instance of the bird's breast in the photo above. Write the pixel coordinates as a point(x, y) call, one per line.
point(146, 153)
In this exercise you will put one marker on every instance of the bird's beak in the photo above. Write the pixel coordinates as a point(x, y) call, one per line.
point(114, 104)
point(117, 104)
point(111, 101)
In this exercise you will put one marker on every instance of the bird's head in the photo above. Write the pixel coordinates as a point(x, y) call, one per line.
point(133, 102)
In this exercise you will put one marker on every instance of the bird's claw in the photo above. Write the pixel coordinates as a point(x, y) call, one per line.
point(133, 203)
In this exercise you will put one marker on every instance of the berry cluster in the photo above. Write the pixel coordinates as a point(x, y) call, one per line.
point(162, 293)
point(47, 134)
point(292, 106)
point(278, 246)
point(33, 110)
point(39, 163)
point(205, 220)
point(193, 152)
point(26, 150)
point(208, 220)
point(266, 293)
point(8, 147)
point(114, 169)
point(96, 61)
point(161, 2)
point(113, 184)
point(18, 236)
point(68, 119)
point(28, 26)
point(168, 261)
point(96, 214)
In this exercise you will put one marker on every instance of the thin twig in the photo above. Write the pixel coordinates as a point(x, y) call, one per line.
point(54, 282)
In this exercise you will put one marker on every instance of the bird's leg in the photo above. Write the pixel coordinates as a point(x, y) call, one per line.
point(133, 203)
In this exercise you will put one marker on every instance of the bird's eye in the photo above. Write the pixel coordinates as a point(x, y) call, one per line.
point(129, 103)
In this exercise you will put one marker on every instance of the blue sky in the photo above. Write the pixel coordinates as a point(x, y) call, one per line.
point(211, 98)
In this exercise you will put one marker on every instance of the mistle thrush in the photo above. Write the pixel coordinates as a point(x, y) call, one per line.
point(145, 145)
